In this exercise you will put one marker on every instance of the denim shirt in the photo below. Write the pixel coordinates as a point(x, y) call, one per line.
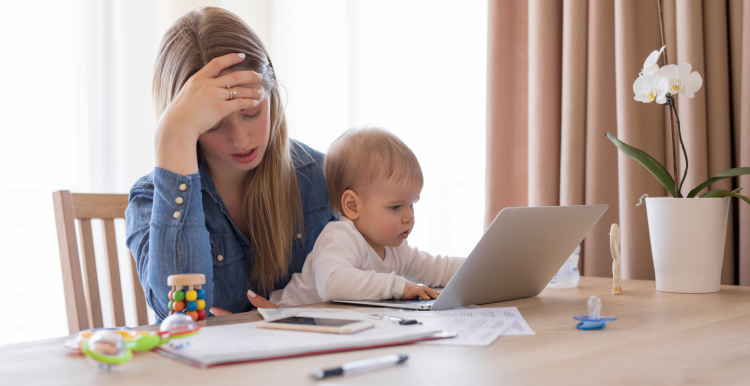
point(198, 236)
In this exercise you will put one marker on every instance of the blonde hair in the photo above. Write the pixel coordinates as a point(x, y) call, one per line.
point(272, 200)
point(361, 157)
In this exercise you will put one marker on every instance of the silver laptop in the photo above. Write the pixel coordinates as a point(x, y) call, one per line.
point(518, 255)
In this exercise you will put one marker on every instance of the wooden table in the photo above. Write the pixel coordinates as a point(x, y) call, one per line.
point(659, 338)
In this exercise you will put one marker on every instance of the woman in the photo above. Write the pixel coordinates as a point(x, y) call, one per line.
point(231, 196)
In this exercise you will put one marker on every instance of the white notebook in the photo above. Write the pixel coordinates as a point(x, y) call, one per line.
point(244, 342)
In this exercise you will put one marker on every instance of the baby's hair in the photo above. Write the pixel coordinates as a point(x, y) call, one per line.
point(362, 156)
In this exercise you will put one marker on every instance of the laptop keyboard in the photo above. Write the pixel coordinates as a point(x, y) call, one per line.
point(412, 301)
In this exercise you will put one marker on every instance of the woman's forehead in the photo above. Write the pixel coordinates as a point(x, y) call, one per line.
point(246, 85)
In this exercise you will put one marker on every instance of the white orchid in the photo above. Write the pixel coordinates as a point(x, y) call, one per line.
point(660, 85)
point(681, 80)
point(649, 66)
point(649, 88)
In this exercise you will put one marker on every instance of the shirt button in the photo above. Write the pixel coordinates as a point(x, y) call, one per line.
point(246, 247)
point(299, 236)
point(183, 187)
point(179, 200)
point(220, 258)
point(176, 214)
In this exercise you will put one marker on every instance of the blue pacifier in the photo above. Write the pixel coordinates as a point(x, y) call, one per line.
point(594, 321)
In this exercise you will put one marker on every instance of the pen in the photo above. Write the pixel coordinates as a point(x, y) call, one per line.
point(401, 321)
point(363, 365)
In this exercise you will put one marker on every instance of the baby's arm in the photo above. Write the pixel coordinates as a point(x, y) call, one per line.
point(420, 266)
point(336, 275)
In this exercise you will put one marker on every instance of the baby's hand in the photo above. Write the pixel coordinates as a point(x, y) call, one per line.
point(413, 291)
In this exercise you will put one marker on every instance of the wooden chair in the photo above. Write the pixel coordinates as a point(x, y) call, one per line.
point(84, 309)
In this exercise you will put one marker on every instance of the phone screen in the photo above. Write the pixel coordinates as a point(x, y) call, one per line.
point(315, 321)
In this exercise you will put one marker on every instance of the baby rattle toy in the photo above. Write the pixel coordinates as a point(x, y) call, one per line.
point(594, 321)
point(106, 348)
point(188, 301)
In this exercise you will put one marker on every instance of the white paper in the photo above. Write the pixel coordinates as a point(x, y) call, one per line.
point(472, 331)
point(475, 326)
point(520, 327)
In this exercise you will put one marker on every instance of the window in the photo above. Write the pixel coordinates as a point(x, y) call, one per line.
point(80, 116)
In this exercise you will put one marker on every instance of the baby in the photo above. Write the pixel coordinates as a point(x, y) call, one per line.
point(373, 181)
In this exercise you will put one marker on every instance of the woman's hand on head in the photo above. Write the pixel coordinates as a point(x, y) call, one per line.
point(203, 101)
point(257, 301)
point(413, 291)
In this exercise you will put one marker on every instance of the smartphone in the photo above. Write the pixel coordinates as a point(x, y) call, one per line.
point(331, 326)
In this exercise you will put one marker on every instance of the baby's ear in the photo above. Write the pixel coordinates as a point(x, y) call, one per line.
point(350, 202)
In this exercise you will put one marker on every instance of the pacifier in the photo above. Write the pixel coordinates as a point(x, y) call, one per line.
point(594, 320)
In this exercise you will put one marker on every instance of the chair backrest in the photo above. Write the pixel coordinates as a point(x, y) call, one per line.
point(85, 309)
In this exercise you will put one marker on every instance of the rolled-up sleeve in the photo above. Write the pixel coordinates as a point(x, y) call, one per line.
point(166, 232)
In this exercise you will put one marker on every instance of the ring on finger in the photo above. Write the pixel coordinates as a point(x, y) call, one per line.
point(232, 93)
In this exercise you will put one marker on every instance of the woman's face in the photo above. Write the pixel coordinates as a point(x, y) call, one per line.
point(239, 141)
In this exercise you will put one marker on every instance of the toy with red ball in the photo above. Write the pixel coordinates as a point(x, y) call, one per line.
point(187, 296)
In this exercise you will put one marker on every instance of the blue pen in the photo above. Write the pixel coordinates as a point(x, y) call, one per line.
point(363, 365)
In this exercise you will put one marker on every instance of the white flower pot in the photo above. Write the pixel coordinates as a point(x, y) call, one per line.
point(687, 242)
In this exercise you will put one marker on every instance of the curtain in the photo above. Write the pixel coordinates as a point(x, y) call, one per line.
point(560, 75)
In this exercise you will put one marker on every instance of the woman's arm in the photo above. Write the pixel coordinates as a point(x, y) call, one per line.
point(166, 230)
point(164, 243)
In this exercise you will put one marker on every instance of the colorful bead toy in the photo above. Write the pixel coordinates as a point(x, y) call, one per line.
point(188, 301)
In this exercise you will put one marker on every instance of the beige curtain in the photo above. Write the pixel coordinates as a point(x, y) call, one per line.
point(560, 75)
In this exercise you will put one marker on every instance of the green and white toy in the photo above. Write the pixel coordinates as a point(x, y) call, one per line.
point(107, 348)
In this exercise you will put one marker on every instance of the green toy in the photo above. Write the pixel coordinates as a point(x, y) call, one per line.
point(107, 348)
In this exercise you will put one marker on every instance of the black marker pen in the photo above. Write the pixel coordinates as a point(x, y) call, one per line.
point(363, 365)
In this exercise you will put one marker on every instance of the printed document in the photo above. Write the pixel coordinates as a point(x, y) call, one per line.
point(475, 326)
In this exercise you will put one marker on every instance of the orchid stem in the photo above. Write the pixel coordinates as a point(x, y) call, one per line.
point(674, 153)
point(682, 144)
point(671, 130)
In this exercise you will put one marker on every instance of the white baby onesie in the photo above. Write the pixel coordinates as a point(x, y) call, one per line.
point(342, 266)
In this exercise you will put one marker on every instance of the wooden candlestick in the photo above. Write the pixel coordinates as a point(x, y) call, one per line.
point(614, 247)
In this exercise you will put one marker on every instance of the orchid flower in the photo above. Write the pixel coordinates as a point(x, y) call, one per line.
point(649, 66)
point(654, 84)
point(649, 88)
point(681, 80)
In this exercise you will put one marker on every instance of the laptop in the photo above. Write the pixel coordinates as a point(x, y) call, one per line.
point(516, 257)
